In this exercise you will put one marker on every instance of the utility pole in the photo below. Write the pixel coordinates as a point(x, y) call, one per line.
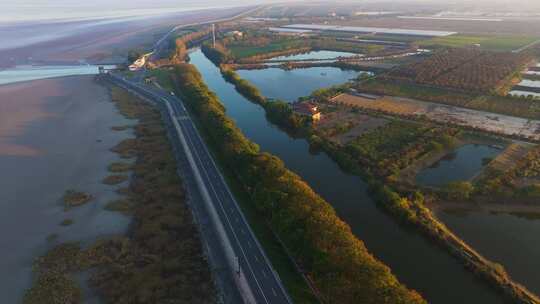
point(214, 35)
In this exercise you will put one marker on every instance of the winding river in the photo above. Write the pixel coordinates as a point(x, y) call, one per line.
point(417, 262)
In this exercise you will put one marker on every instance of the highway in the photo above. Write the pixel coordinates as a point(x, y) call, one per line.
point(250, 262)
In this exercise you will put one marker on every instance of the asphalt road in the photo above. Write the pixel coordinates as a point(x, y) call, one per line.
point(254, 265)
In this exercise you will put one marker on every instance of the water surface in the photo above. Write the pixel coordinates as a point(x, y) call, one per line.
point(26, 73)
point(74, 142)
point(460, 165)
point(510, 239)
point(288, 85)
point(417, 262)
point(315, 55)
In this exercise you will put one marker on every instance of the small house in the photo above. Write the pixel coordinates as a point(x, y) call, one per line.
point(235, 34)
point(307, 108)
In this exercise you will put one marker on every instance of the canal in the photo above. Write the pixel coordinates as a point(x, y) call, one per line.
point(417, 262)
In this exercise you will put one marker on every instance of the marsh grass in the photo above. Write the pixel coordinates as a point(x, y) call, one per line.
point(115, 179)
point(73, 198)
point(125, 206)
point(162, 260)
point(120, 128)
point(118, 167)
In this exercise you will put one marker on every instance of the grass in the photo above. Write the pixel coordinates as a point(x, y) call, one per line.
point(73, 198)
point(120, 128)
point(118, 167)
point(489, 43)
point(123, 205)
point(518, 107)
point(248, 51)
point(161, 259)
point(163, 78)
point(53, 288)
point(115, 179)
point(126, 148)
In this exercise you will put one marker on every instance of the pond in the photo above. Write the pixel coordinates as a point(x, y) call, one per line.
point(315, 55)
point(417, 262)
point(460, 165)
point(289, 85)
point(510, 239)
point(27, 73)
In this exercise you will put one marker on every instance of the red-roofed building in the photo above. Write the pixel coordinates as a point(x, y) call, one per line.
point(307, 108)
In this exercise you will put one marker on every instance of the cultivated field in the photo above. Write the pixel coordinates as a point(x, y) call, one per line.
point(463, 69)
point(507, 27)
point(485, 42)
point(496, 123)
point(343, 126)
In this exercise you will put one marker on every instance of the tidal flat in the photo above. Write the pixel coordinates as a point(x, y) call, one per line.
point(55, 136)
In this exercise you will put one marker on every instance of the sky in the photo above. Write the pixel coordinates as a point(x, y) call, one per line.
point(36, 10)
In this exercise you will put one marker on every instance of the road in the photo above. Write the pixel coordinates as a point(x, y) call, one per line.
point(521, 49)
point(264, 283)
point(161, 44)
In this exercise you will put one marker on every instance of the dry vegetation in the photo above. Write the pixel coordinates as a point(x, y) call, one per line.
point(161, 261)
point(115, 179)
point(509, 157)
point(73, 198)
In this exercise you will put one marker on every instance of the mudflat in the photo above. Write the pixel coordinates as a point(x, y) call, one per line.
point(55, 135)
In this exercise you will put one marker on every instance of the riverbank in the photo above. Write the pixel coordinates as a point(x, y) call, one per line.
point(356, 277)
point(413, 211)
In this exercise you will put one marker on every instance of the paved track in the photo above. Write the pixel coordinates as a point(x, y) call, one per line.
point(263, 282)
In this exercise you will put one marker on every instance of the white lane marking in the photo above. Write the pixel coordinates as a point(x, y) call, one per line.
point(274, 292)
point(211, 187)
point(256, 258)
point(218, 198)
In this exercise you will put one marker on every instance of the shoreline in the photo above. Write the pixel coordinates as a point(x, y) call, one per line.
point(112, 267)
point(70, 134)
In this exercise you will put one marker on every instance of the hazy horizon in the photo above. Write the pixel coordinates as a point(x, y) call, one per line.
point(43, 10)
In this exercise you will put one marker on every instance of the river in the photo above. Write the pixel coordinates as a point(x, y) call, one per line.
point(417, 262)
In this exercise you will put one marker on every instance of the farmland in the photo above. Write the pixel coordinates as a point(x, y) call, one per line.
point(485, 121)
point(485, 42)
point(463, 69)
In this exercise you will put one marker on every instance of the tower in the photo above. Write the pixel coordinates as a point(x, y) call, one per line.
point(213, 35)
